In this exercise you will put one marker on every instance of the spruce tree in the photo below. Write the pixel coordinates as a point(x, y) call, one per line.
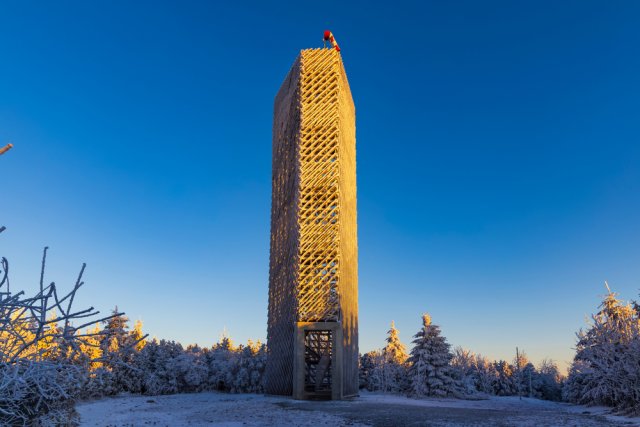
point(395, 351)
point(393, 366)
point(430, 372)
point(504, 383)
point(606, 367)
point(119, 347)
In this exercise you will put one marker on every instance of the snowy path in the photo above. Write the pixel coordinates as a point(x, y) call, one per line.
point(220, 409)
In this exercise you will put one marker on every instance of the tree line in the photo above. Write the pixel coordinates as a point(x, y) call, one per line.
point(52, 355)
point(432, 369)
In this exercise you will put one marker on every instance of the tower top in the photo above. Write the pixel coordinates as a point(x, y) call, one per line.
point(328, 37)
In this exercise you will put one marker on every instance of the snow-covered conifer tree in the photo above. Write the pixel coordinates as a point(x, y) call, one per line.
point(549, 381)
point(220, 361)
point(430, 372)
point(606, 367)
point(395, 351)
point(504, 381)
point(485, 373)
point(464, 368)
point(371, 370)
point(393, 367)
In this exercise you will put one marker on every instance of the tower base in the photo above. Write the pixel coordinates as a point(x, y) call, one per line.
point(318, 361)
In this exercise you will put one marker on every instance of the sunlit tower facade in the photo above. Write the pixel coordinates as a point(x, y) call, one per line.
point(313, 271)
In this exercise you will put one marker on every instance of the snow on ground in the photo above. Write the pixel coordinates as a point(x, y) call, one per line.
point(199, 409)
point(370, 409)
point(502, 403)
point(603, 411)
point(490, 402)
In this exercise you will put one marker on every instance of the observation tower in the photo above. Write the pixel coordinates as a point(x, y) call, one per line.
point(313, 269)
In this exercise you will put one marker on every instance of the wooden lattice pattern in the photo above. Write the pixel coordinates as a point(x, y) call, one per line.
point(313, 265)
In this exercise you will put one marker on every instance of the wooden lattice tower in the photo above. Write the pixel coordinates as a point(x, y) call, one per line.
point(313, 275)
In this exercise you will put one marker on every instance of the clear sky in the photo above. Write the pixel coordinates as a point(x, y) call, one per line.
point(498, 160)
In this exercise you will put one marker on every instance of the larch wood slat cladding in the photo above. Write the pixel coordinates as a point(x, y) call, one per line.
point(313, 274)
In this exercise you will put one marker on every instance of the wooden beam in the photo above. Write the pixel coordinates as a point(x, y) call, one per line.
point(5, 148)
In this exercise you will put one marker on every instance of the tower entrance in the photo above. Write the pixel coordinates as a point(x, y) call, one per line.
point(318, 351)
point(317, 367)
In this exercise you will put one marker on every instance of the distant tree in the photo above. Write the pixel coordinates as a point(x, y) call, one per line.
point(465, 370)
point(430, 372)
point(119, 347)
point(549, 383)
point(372, 371)
point(504, 383)
point(365, 369)
point(247, 369)
point(524, 374)
point(485, 372)
point(220, 361)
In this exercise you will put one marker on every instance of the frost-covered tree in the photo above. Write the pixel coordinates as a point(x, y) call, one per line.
point(465, 371)
point(523, 374)
point(246, 369)
point(119, 346)
point(192, 370)
point(385, 369)
point(393, 366)
point(606, 367)
point(371, 372)
point(219, 361)
point(549, 381)
point(504, 382)
point(395, 351)
point(157, 363)
point(366, 367)
point(477, 374)
point(485, 373)
point(430, 372)
point(39, 381)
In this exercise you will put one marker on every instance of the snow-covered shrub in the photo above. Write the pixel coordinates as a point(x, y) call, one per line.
point(191, 369)
point(246, 369)
point(164, 367)
point(100, 382)
point(156, 363)
point(219, 360)
point(38, 392)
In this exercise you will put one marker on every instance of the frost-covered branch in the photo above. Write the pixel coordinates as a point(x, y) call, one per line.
point(40, 346)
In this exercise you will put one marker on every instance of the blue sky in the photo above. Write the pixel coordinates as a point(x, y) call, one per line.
point(498, 160)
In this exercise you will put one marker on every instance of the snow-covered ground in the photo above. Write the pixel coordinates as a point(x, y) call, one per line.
point(199, 409)
point(370, 409)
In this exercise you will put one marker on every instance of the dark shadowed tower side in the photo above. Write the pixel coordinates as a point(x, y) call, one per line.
point(313, 270)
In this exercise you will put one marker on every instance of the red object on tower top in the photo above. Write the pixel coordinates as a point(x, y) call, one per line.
point(329, 37)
